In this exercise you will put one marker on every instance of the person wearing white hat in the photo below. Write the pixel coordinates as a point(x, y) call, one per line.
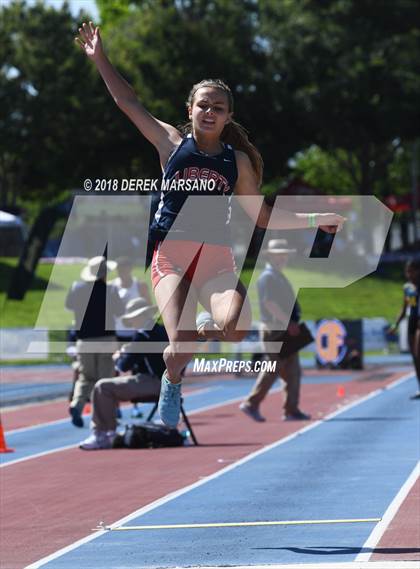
point(142, 382)
point(275, 294)
point(97, 268)
point(95, 304)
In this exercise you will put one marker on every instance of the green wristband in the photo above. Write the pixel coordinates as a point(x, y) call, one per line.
point(311, 220)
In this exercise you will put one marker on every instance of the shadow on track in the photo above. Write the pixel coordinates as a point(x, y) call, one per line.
point(331, 550)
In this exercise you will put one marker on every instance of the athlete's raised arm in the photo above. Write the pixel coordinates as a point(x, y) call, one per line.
point(162, 135)
point(247, 185)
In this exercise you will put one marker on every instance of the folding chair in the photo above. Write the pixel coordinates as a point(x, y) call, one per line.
point(155, 401)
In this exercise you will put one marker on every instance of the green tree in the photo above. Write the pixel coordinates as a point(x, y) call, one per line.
point(336, 81)
point(323, 170)
point(164, 47)
point(352, 69)
point(56, 122)
point(112, 10)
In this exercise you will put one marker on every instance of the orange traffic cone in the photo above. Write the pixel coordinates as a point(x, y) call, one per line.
point(88, 409)
point(3, 445)
point(341, 391)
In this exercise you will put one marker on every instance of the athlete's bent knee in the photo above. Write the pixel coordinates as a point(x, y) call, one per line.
point(232, 334)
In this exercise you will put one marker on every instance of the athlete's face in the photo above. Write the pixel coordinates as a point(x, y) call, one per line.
point(210, 110)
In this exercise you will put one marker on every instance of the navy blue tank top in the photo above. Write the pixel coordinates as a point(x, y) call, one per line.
point(190, 172)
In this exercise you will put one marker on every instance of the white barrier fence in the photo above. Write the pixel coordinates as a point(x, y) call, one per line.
point(373, 330)
point(14, 342)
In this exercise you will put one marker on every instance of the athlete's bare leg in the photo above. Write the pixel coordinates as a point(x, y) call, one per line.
point(226, 299)
point(177, 302)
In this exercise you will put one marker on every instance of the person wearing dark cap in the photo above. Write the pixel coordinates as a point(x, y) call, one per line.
point(95, 304)
point(276, 297)
point(143, 381)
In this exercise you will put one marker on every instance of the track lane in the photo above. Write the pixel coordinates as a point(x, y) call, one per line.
point(50, 487)
point(305, 478)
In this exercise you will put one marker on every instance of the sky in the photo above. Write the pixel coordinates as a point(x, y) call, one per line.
point(75, 5)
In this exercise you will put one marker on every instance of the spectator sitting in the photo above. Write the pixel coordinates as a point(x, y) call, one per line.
point(143, 382)
point(95, 305)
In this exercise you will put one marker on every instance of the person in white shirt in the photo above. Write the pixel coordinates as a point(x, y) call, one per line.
point(129, 287)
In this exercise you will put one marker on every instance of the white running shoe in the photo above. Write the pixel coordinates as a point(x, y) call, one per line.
point(98, 440)
point(204, 320)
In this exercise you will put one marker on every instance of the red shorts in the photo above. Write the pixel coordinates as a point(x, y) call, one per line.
point(191, 259)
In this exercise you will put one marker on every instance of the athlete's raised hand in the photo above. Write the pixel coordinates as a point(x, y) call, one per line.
point(163, 136)
point(90, 41)
point(330, 222)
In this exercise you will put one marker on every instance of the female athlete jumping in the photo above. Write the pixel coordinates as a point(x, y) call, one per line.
point(215, 148)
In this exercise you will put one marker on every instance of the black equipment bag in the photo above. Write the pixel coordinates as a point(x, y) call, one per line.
point(148, 435)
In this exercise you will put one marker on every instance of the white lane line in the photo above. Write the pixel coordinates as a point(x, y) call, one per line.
point(59, 421)
point(397, 382)
point(392, 509)
point(331, 565)
point(173, 495)
point(201, 390)
point(23, 406)
point(38, 426)
point(38, 455)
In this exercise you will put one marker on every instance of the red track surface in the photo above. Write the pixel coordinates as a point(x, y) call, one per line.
point(30, 374)
point(50, 502)
point(401, 541)
point(37, 414)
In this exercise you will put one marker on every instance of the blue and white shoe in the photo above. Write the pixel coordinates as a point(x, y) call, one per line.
point(204, 319)
point(169, 405)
